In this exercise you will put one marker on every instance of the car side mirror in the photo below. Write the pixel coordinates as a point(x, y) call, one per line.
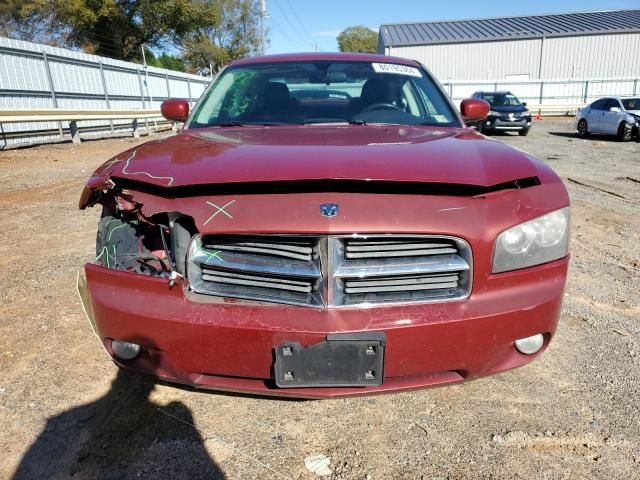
point(615, 109)
point(175, 109)
point(473, 110)
point(524, 104)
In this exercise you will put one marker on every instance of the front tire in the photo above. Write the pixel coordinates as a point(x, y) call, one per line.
point(583, 129)
point(524, 132)
point(625, 132)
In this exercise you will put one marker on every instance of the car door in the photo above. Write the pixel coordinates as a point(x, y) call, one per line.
point(593, 114)
point(610, 120)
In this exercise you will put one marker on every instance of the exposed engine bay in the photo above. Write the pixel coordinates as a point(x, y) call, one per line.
point(149, 245)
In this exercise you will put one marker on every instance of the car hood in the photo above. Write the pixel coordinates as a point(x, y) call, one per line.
point(291, 153)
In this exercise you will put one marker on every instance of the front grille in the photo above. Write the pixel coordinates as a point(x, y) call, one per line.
point(331, 271)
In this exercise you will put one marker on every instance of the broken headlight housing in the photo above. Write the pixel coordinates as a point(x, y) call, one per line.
point(534, 242)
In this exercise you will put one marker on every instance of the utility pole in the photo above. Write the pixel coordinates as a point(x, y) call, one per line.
point(263, 13)
point(146, 84)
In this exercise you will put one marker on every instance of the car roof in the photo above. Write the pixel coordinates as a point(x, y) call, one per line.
point(505, 92)
point(331, 56)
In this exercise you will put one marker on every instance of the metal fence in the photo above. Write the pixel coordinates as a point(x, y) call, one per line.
point(550, 93)
point(34, 76)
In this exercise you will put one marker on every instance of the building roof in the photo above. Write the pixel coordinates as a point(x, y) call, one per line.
point(510, 28)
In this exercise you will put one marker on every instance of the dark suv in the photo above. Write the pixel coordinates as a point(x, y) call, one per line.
point(507, 113)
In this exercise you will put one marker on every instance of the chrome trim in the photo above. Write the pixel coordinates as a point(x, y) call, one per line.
point(391, 266)
point(330, 280)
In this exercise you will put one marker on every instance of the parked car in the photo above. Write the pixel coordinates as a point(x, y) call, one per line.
point(611, 116)
point(507, 113)
point(296, 243)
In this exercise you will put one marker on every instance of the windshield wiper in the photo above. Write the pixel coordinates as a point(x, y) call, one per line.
point(247, 124)
point(356, 121)
point(230, 124)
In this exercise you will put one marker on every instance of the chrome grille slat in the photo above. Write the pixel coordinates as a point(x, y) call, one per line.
point(283, 252)
point(304, 287)
point(392, 266)
point(331, 270)
point(405, 247)
point(260, 264)
point(301, 247)
point(401, 253)
point(387, 246)
point(222, 273)
point(400, 288)
point(403, 281)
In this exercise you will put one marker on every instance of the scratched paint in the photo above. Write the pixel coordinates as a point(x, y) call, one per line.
point(126, 172)
point(210, 255)
point(219, 210)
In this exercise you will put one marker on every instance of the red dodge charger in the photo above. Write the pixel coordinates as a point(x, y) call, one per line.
point(325, 225)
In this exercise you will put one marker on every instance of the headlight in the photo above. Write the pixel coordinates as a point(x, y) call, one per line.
point(537, 241)
point(493, 112)
point(525, 113)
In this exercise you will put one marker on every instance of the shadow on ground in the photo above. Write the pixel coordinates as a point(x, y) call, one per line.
point(119, 436)
point(600, 138)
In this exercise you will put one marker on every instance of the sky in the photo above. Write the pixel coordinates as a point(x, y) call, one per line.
point(310, 25)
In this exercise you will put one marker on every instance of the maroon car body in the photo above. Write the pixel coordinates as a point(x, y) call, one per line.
point(398, 184)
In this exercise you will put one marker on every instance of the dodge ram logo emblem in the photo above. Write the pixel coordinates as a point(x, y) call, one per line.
point(329, 209)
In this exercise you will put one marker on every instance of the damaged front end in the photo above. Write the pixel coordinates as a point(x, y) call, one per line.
point(235, 285)
point(128, 240)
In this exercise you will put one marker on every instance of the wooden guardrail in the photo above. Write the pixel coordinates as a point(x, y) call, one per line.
point(73, 116)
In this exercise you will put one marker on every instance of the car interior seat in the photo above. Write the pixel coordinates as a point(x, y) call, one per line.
point(374, 90)
point(276, 101)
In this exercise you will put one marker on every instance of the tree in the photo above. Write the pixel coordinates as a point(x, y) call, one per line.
point(164, 61)
point(208, 32)
point(358, 39)
point(31, 20)
point(119, 28)
point(227, 30)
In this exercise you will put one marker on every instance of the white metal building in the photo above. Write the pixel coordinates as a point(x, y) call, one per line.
point(601, 44)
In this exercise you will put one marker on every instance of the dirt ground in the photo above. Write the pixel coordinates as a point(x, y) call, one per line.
point(67, 413)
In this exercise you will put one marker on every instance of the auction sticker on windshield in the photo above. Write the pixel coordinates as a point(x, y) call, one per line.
point(395, 68)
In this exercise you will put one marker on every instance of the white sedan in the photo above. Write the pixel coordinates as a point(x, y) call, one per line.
point(612, 116)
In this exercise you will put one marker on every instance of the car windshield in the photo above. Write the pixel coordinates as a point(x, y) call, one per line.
point(631, 103)
point(320, 92)
point(502, 100)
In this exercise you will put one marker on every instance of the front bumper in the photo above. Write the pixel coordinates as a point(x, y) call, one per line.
point(505, 123)
point(230, 345)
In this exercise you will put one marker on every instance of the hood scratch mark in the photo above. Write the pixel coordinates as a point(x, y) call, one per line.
point(126, 165)
point(219, 210)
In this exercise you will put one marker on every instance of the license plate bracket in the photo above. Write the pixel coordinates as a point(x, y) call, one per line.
point(342, 360)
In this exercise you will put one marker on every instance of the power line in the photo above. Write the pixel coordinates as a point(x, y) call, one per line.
point(300, 22)
point(283, 32)
point(291, 24)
